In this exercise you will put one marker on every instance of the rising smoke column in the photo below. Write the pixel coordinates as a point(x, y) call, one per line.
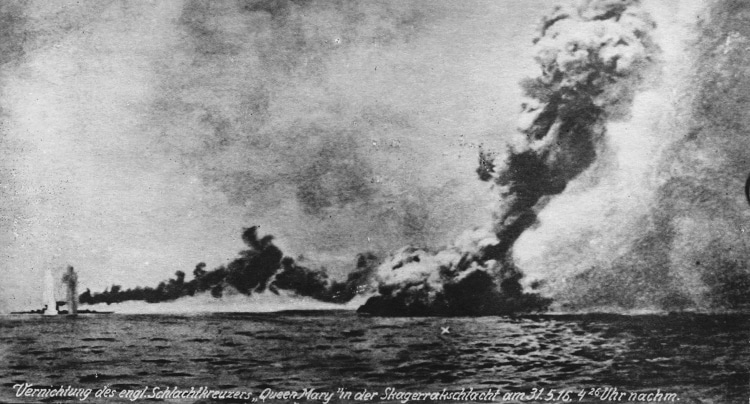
point(593, 58)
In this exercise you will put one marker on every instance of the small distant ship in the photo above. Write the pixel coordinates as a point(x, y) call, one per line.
point(52, 306)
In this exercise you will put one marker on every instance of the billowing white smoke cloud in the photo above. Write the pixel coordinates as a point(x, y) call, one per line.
point(621, 236)
point(416, 267)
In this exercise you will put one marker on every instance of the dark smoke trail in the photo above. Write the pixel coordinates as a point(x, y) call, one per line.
point(260, 268)
point(593, 58)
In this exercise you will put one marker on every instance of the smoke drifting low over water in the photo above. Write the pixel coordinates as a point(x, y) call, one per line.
point(261, 268)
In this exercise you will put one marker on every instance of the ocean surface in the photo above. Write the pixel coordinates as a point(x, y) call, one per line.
point(698, 357)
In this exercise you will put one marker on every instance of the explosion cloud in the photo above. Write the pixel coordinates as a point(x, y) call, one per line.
point(593, 58)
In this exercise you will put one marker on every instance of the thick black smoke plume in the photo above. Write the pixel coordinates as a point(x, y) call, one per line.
point(259, 268)
point(592, 58)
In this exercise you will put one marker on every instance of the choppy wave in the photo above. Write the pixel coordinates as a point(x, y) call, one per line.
point(700, 358)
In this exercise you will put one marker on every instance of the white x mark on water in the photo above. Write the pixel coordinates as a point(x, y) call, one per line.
point(445, 330)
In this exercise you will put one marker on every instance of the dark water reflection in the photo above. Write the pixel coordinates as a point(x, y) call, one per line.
point(701, 358)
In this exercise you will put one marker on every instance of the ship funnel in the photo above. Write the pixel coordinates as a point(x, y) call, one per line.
point(71, 279)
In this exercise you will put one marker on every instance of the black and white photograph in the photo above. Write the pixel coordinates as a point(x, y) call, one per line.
point(374, 201)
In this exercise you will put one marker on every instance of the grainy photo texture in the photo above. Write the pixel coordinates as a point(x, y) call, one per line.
point(374, 201)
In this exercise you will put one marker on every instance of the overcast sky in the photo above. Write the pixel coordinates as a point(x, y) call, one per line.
point(139, 137)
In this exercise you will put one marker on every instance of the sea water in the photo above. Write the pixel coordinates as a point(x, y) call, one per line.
point(321, 356)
